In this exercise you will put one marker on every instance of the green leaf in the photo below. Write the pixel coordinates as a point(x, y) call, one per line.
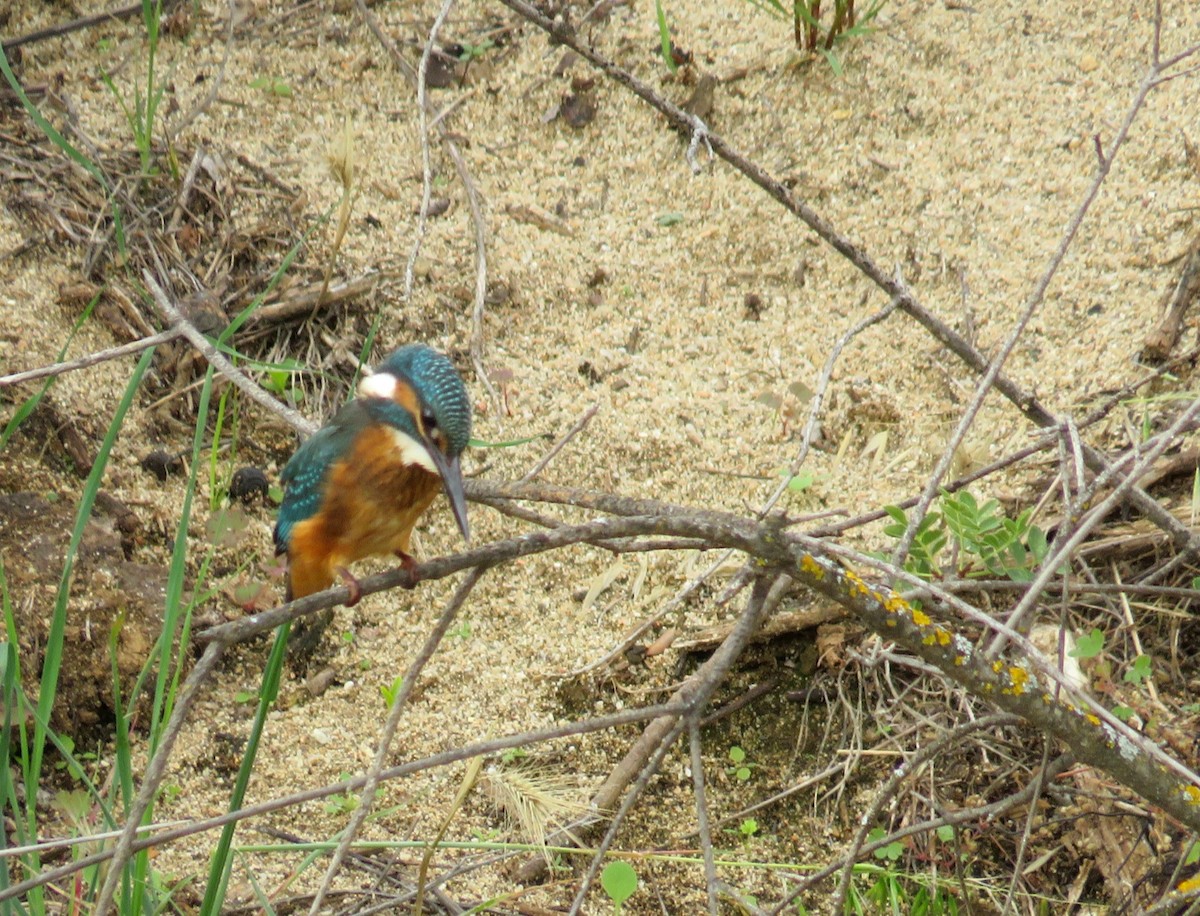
point(619, 881)
point(1193, 854)
point(1088, 646)
point(736, 754)
point(891, 852)
point(1140, 670)
point(945, 833)
point(798, 483)
point(670, 218)
point(272, 86)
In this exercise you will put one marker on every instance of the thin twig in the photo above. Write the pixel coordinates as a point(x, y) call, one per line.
point(468, 182)
point(570, 434)
point(695, 693)
point(218, 361)
point(83, 22)
point(703, 827)
point(92, 359)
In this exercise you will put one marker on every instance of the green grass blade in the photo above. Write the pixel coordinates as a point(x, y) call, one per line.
point(10, 684)
point(664, 35)
point(221, 863)
point(54, 641)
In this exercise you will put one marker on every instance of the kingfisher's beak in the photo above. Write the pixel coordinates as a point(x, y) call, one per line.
point(452, 483)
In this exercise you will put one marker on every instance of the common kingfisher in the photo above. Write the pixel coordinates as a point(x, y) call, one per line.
point(358, 486)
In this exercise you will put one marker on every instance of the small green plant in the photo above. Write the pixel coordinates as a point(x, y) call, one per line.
point(389, 692)
point(812, 35)
point(748, 829)
point(141, 113)
point(664, 36)
point(513, 754)
point(472, 52)
point(619, 881)
point(280, 380)
point(272, 85)
point(798, 483)
point(1140, 671)
point(986, 541)
point(1088, 646)
point(344, 803)
point(928, 542)
point(1006, 546)
point(741, 768)
point(891, 852)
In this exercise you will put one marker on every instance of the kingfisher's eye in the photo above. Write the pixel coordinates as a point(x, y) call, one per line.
point(429, 421)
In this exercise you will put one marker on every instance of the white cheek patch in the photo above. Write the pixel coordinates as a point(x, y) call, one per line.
point(379, 385)
point(411, 451)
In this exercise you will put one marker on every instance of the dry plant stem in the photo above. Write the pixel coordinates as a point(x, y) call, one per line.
point(367, 796)
point(984, 387)
point(153, 776)
point(658, 734)
point(805, 783)
point(423, 887)
point(954, 656)
point(53, 844)
point(570, 434)
point(702, 824)
point(426, 163)
point(311, 300)
point(695, 693)
point(464, 175)
point(810, 425)
point(493, 746)
point(959, 346)
point(219, 362)
point(185, 190)
point(92, 359)
point(885, 795)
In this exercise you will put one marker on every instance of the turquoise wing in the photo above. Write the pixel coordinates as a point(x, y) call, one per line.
point(304, 476)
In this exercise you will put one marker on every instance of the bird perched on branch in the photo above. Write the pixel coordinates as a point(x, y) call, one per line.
point(359, 485)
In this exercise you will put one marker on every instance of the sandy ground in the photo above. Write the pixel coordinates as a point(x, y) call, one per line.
point(956, 145)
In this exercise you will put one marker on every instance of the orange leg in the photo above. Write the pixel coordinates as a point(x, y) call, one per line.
point(352, 584)
point(409, 562)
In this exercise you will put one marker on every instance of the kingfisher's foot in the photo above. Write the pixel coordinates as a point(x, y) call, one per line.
point(409, 562)
point(351, 583)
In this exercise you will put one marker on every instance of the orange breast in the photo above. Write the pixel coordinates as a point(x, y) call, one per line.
point(371, 503)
